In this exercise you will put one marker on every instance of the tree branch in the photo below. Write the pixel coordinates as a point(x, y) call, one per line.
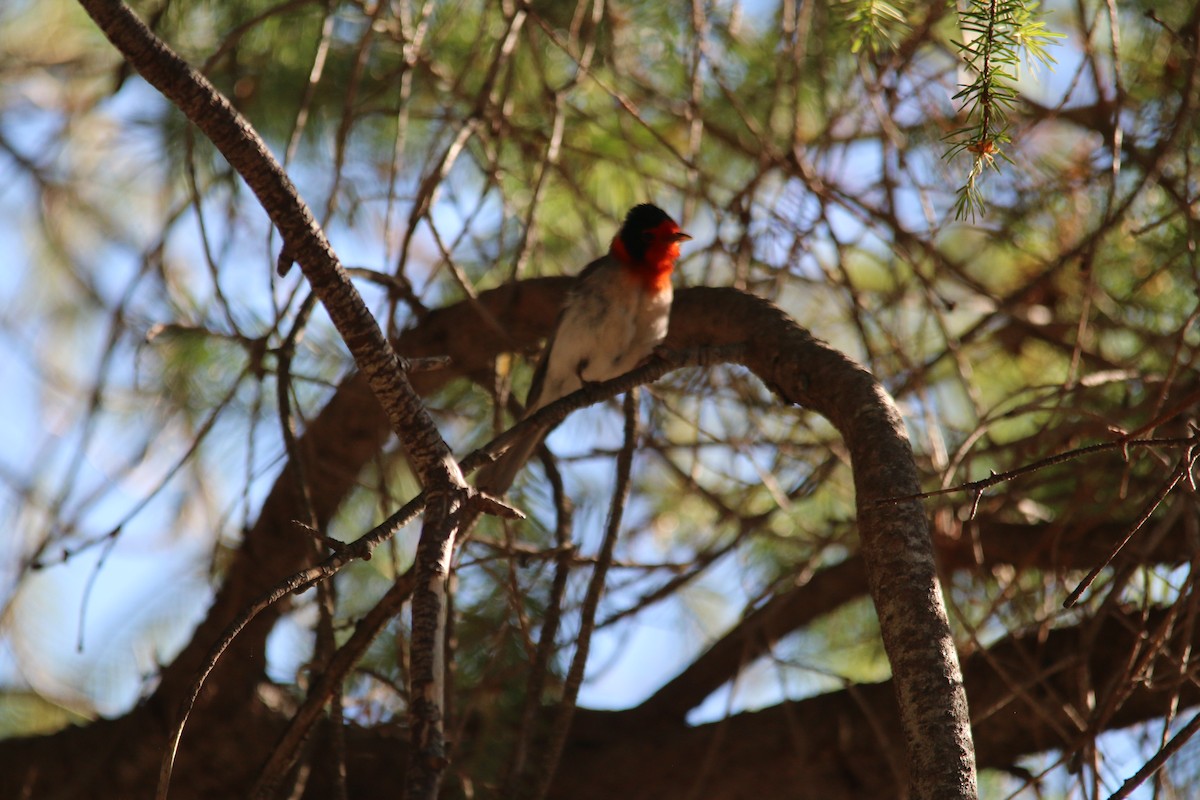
point(896, 546)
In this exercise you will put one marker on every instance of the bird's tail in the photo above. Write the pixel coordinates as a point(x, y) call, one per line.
point(497, 477)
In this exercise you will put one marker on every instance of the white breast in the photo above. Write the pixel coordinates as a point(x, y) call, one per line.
point(609, 325)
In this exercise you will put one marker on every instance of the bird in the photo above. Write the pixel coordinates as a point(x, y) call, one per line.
point(614, 317)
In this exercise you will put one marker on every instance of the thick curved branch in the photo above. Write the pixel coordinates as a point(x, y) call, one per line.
point(896, 546)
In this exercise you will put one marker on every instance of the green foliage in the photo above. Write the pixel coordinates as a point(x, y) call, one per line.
point(874, 24)
point(996, 34)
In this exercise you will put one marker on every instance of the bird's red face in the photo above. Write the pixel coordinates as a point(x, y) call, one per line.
point(665, 239)
point(651, 250)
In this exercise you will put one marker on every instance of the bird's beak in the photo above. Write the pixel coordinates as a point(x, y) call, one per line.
point(680, 236)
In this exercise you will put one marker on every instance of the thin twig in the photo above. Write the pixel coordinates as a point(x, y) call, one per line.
point(1159, 759)
point(1183, 469)
point(979, 486)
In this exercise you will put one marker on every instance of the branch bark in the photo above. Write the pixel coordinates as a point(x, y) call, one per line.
point(896, 547)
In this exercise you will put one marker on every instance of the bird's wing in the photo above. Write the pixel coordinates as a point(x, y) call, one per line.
point(539, 372)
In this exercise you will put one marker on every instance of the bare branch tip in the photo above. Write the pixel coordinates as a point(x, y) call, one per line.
point(490, 504)
point(978, 495)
